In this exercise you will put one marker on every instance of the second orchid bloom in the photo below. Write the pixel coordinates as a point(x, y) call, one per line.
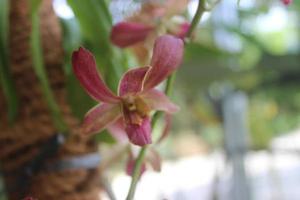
point(153, 19)
point(136, 94)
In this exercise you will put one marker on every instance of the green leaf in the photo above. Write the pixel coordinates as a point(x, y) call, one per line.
point(6, 81)
point(71, 40)
point(34, 6)
point(77, 96)
point(38, 64)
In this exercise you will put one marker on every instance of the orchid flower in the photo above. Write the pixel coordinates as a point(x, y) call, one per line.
point(136, 94)
point(153, 18)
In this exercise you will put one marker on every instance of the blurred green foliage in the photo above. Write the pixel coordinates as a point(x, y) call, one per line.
point(266, 66)
point(5, 77)
point(39, 67)
point(76, 95)
point(95, 24)
point(91, 28)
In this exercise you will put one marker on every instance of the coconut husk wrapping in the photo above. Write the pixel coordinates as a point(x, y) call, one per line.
point(21, 142)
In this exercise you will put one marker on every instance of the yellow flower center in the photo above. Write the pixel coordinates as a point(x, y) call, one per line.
point(137, 107)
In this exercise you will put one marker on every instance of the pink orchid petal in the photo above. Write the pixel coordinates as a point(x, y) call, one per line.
point(166, 130)
point(130, 166)
point(154, 159)
point(140, 134)
point(85, 69)
point(125, 34)
point(157, 100)
point(166, 58)
point(117, 130)
point(99, 117)
point(132, 81)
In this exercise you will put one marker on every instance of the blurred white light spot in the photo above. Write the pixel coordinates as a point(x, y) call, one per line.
point(275, 20)
point(192, 9)
point(246, 5)
point(228, 41)
point(62, 9)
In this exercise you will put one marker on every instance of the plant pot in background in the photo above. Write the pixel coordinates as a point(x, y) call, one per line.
point(22, 142)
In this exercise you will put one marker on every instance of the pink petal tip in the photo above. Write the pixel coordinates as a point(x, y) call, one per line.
point(85, 69)
point(167, 57)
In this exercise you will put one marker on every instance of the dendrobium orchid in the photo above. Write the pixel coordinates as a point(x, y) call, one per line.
point(154, 17)
point(136, 94)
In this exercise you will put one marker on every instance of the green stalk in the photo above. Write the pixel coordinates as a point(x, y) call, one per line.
point(140, 158)
point(196, 19)
point(168, 91)
point(136, 172)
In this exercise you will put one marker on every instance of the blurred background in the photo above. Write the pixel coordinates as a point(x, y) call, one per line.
point(236, 137)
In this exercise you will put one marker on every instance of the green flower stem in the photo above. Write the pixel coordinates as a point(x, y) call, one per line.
point(136, 172)
point(169, 85)
point(168, 91)
point(196, 19)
